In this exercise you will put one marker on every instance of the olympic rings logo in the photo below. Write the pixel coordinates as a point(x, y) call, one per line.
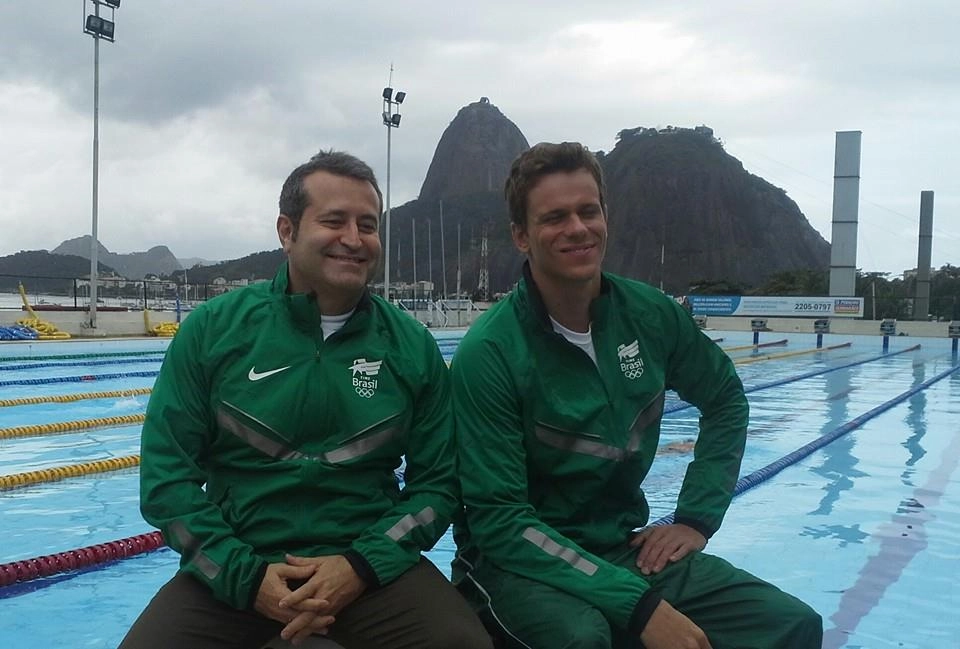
point(366, 393)
point(633, 374)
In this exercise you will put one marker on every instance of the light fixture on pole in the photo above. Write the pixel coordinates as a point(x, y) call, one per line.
point(391, 119)
point(98, 27)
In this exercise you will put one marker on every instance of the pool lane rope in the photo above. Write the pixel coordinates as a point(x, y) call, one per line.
point(111, 361)
point(92, 555)
point(60, 357)
point(77, 379)
point(759, 476)
point(64, 427)
point(17, 480)
point(67, 398)
point(800, 352)
point(741, 348)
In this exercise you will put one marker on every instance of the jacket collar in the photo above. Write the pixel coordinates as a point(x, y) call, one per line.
point(302, 307)
point(531, 297)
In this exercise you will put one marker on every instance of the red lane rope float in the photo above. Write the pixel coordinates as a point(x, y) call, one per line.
point(16, 480)
point(52, 564)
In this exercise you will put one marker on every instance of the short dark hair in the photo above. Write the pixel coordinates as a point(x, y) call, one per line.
point(543, 159)
point(293, 196)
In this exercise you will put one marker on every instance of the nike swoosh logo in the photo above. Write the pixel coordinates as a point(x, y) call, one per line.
point(254, 375)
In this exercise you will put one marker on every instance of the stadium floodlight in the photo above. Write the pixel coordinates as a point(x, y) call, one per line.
point(99, 28)
point(391, 119)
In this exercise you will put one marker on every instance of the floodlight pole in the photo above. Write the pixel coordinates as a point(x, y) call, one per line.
point(391, 119)
point(98, 28)
point(94, 249)
point(386, 225)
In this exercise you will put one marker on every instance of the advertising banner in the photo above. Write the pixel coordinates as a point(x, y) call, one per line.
point(782, 306)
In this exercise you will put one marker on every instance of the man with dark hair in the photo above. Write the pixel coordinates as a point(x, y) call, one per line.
point(271, 439)
point(558, 397)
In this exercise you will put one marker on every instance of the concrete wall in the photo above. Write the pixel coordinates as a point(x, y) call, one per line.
point(110, 324)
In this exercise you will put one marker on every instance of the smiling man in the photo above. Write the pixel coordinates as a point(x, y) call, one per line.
point(558, 397)
point(271, 439)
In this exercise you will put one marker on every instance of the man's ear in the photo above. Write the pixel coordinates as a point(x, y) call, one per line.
point(520, 238)
point(285, 231)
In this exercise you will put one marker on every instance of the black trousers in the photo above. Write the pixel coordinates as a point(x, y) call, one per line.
point(419, 610)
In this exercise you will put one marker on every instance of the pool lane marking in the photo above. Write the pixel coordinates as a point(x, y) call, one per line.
point(901, 540)
point(800, 377)
point(759, 476)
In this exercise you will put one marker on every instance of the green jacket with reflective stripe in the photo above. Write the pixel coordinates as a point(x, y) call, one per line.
point(296, 439)
point(553, 448)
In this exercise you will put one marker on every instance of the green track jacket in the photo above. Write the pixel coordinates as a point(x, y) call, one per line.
point(261, 438)
point(553, 449)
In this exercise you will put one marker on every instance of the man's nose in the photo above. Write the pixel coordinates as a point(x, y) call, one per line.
point(576, 226)
point(350, 235)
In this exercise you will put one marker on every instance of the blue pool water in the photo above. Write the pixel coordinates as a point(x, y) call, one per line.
point(865, 529)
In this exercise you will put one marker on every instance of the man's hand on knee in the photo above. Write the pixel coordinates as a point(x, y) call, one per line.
point(668, 628)
point(665, 543)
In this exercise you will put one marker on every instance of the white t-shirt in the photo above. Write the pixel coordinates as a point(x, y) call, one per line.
point(582, 340)
point(332, 323)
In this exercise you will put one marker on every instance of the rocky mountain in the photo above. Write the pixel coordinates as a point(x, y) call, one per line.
point(474, 153)
point(44, 272)
point(259, 265)
point(673, 190)
point(158, 260)
point(678, 191)
point(463, 187)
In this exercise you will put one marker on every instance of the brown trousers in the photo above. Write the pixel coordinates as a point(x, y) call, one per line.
point(419, 610)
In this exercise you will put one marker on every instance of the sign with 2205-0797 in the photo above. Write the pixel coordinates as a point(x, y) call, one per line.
point(749, 305)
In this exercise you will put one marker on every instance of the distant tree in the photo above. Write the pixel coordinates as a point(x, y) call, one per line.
point(810, 283)
point(715, 287)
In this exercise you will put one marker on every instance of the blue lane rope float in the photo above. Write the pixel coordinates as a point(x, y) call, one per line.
point(759, 476)
point(799, 377)
point(112, 361)
point(60, 357)
point(77, 379)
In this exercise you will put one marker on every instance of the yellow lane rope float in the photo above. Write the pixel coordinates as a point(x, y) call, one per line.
point(164, 329)
point(770, 357)
point(45, 330)
point(70, 471)
point(67, 398)
point(63, 427)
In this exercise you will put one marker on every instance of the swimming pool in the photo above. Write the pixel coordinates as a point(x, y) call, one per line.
point(866, 529)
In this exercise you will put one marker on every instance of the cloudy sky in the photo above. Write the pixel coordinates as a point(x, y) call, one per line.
point(205, 106)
